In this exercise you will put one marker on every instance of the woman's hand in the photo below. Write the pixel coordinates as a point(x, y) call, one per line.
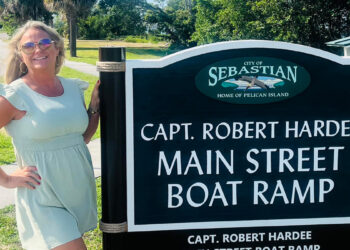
point(24, 177)
point(95, 99)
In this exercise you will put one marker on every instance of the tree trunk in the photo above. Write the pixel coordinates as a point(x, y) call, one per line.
point(68, 30)
point(73, 36)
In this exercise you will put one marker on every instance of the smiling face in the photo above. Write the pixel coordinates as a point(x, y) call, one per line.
point(40, 60)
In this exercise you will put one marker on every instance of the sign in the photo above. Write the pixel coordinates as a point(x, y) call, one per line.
point(239, 144)
point(252, 80)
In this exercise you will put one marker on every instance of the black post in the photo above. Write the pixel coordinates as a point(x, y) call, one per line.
point(113, 146)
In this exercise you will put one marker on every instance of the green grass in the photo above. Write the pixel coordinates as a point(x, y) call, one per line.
point(136, 39)
point(7, 154)
point(86, 55)
point(144, 39)
point(142, 53)
point(93, 239)
point(90, 55)
point(9, 239)
point(87, 51)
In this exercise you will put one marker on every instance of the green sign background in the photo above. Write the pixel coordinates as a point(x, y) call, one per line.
point(221, 80)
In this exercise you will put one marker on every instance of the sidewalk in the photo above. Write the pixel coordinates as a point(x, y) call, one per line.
point(83, 67)
point(3, 55)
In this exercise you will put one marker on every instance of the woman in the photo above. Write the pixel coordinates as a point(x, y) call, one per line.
point(46, 117)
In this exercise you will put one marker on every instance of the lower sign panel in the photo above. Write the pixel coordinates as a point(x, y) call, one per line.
point(324, 237)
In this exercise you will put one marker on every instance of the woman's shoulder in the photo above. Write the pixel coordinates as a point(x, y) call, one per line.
point(12, 92)
point(83, 85)
point(12, 87)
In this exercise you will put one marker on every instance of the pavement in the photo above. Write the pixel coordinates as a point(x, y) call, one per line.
point(3, 55)
point(83, 67)
point(7, 195)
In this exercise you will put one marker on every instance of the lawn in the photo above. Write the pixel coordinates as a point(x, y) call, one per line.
point(87, 51)
point(7, 154)
point(9, 239)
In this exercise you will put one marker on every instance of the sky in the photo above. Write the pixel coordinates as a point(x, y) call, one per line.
point(152, 1)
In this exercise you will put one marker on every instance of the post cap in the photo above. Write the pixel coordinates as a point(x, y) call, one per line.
point(111, 54)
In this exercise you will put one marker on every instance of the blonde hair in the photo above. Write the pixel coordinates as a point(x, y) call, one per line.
point(13, 69)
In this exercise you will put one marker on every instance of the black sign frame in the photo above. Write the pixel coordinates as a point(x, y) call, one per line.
point(301, 55)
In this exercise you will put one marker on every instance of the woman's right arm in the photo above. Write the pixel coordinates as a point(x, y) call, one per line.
point(7, 112)
point(25, 177)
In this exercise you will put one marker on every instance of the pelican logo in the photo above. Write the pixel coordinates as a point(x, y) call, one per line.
point(252, 80)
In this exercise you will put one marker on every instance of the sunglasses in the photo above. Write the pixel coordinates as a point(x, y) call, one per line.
point(43, 44)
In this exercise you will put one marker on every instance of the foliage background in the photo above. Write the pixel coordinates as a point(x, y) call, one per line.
point(186, 23)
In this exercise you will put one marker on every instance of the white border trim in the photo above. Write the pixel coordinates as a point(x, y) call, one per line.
point(239, 224)
point(242, 44)
point(182, 55)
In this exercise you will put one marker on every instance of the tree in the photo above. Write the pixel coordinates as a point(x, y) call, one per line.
point(24, 10)
point(207, 28)
point(317, 22)
point(2, 6)
point(300, 21)
point(110, 19)
point(72, 9)
point(176, 21)
point(103, 4)
point(17, 12)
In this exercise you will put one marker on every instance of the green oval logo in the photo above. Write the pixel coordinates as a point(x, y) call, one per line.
point(252, 80)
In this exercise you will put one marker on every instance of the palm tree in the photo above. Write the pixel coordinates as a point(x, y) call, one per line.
point(72, 9)
point(23, 10)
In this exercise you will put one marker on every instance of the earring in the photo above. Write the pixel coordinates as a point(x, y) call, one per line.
point(25, 70)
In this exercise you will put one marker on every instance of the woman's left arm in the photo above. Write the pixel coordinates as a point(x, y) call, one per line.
point(93, 113)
